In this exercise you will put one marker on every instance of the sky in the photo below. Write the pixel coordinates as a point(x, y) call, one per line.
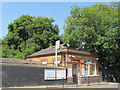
point(57, 10)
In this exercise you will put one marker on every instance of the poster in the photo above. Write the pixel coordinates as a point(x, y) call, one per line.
point(83, 71)
point(69, 72)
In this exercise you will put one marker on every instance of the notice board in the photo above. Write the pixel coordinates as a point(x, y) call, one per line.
point(49, 74)
point(61, 74)
point(53, 74)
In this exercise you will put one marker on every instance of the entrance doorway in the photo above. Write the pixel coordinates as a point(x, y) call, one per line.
point(76, 72)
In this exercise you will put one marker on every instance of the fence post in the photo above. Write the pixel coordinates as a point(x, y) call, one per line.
point(63, 83)
point(46, 84)
point(118, 80)
point(77, 81)
point(88, 82)
point(98, 80)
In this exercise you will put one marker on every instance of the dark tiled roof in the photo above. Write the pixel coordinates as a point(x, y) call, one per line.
point(49, 50)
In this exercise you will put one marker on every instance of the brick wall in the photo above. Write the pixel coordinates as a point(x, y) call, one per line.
point(49, 59)
point(16, 74)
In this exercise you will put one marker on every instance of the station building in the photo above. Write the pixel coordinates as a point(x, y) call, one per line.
point(79, 64)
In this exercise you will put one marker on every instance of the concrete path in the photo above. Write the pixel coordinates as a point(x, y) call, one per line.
point(92, 85)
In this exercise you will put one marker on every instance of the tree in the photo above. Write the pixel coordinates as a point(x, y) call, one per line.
point(95, 29)
point(0, 47)
point(29, 34)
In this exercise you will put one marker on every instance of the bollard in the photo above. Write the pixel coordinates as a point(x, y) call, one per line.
point(46, 85)
point(98, 80)
point(88, 82)
point(118, 83)
point(77, 81)
point(63, 83)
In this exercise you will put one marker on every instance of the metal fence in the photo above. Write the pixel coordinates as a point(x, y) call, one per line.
point(76, 82)
point(88, 83)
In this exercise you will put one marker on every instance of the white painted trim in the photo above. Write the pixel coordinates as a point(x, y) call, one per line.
point(44, 62)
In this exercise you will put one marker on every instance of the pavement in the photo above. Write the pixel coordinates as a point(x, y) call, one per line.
point(91, 85)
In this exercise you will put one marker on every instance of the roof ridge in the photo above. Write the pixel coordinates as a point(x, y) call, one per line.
point(48, 50)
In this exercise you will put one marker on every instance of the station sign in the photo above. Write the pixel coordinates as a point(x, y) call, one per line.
point(88, 62)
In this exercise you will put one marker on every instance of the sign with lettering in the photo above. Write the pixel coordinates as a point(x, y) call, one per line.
point(88, 62)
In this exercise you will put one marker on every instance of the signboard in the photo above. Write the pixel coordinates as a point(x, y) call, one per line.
point(69, 72)
point(61, 74)
point(49, 74)
point(57, 44)
point(88, 62)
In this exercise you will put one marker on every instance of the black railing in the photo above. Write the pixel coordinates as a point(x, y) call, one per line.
point(85, 81)
point(55, 82)
point(88, 81)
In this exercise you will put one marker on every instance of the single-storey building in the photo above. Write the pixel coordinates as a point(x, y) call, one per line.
point(79, 64)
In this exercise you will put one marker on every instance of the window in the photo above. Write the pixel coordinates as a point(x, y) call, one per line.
point(84, 69)
point(63, 57)
point(44, 63)
point(74, 65)
point(93, 69)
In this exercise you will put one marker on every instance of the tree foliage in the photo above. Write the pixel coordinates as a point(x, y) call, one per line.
point(28, 34)
point(96, 29)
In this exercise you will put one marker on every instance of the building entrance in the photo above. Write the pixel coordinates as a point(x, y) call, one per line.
point(76, 72)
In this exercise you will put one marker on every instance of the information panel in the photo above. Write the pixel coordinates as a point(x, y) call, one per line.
point(88, 62)
point(61, 74)
point(52, 74)
point(69, 72)
point(49, 74)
